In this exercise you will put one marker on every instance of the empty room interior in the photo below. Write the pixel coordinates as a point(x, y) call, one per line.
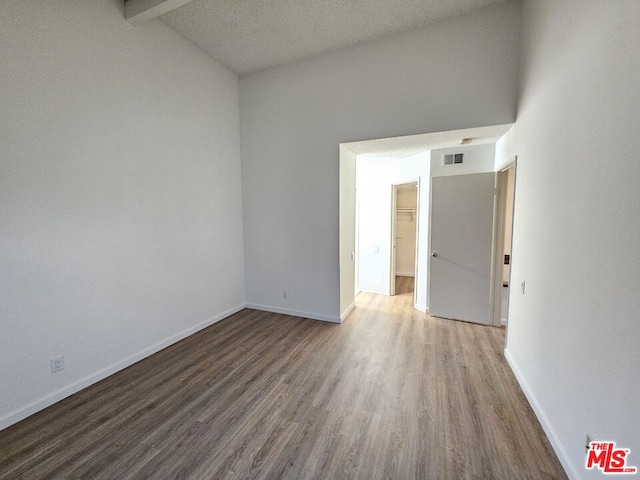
point(319, 239)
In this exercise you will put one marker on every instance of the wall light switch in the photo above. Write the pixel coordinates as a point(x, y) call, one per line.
point(522, 285)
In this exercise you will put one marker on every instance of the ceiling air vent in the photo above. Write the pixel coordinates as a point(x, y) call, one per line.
point(452, 159)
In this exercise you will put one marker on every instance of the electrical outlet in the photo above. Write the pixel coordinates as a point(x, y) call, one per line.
point(285, 294)
point(522, 285)
point(57, 364)
point(587, 445)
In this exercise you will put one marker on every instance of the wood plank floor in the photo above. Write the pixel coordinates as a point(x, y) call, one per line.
point(391, 393)
point(404, 285)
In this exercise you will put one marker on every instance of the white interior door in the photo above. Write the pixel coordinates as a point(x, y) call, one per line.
point(461, 243)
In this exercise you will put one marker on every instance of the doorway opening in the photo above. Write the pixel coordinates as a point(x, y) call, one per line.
point(390, 203)
point(368, 169)
point(505, 183)
point(404, 238)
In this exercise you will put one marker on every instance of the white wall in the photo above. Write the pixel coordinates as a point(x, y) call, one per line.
point(573, 336)
point(477, 159)
point(120, 196)
point(347, 230)
point(374, 198)
point(505, 149)
point(456, 74)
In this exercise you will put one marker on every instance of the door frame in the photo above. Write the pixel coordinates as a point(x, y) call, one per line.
point(392, 262)
point(415, 263)
point(499, 222)
point(356, 248)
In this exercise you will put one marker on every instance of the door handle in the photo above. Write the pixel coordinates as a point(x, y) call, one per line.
point(434, 254)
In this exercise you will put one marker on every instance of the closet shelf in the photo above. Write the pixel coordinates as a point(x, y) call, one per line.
point(412, 211)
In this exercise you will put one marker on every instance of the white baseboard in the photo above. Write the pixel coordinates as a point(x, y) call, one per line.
point(374, 290)
point(48, 400)
point(347, 311)
point(408, 274)
point(295, 313)
point(422, 308)
point(566, 462)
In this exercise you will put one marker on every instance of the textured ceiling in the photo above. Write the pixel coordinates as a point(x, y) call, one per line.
point(248, 35)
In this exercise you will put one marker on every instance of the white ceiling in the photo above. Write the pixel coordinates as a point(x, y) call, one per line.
point(407, 187)
point(389, 149)
point(248, 35)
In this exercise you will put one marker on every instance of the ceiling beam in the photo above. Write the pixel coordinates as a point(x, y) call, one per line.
point(139, 11)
